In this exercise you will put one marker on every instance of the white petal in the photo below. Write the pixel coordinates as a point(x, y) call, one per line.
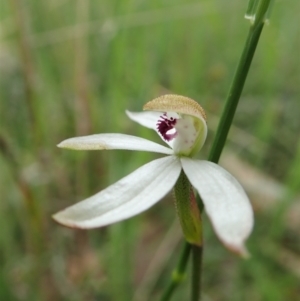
point(114, 141)
point(131, 195)
point(226, 203)
point(147, 119)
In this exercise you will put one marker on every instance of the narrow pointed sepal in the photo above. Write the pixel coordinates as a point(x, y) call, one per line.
point(147, 119)
point(188, 211)
point(128, 197)
point(225, 201)
point(114, 141)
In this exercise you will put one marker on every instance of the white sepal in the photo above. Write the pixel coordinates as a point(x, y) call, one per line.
point(225, 201)
point(147, 119)
point(130, 196)
point(114, 141)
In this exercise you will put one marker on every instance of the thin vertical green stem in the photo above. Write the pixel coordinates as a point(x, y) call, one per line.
point(196, 272)
point(235, 92)
point(178, 274)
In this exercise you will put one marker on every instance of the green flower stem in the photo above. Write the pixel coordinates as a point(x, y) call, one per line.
point(178, 274)
point(218, 145)
point(235, 92)
point(196, 272)
point(261, 12)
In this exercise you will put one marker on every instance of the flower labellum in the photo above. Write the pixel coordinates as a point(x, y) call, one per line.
point(181, 123)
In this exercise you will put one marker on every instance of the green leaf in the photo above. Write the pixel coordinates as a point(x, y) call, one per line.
point(188, 211)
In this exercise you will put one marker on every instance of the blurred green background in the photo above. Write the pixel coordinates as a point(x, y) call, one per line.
point(71, 68)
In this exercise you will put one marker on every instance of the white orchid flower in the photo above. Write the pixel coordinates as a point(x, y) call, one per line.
point(181, 123)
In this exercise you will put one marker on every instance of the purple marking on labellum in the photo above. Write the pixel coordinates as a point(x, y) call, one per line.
point(165, 126)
